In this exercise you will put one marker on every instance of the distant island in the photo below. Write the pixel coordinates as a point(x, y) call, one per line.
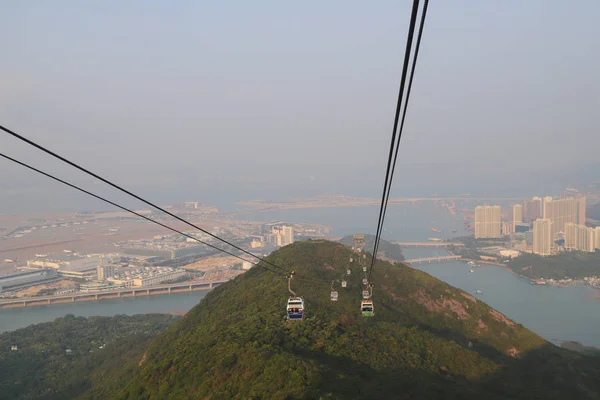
point(573, 265)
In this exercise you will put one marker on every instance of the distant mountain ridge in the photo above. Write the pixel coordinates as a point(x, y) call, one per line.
point(389, 250)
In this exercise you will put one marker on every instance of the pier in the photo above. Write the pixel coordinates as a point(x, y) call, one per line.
point(109, 294)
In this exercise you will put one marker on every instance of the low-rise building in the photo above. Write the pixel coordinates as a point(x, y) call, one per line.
point(96, 286)
point(23, 280)
point(159, 278)
point(509, 253)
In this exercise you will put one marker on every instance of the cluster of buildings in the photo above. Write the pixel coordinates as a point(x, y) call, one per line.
point(167, 247)
point(94, 272)
point(27, 279)
point(552, 220)
point(72, 265)
point(280, 235)
point(112, 277)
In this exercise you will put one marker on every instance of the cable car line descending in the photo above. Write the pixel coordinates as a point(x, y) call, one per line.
point(396, 142)
point(131, 211)
point(407, 51)
point(32, 143)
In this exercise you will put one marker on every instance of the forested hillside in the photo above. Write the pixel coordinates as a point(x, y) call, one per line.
point(427, 340)
point(64, 358)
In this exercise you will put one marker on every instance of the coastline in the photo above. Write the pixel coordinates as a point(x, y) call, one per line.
point(562, 285)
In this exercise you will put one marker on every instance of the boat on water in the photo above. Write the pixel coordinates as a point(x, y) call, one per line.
point(471, 270)
point(435, 230)
point(538, 282)
point(478, 291)
point(454, 231)
point(434, 239)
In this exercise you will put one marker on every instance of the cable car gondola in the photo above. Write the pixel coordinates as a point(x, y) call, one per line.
point(334, 293)
point(295, 308)
point(295, 304)
point(366, 308)
point(348, 272)
point(344, 283)
point(364, 269)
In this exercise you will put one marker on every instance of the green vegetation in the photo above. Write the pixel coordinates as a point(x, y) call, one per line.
point(572, 264)
point(427, 340)
point(64, 358)
point(389, 250)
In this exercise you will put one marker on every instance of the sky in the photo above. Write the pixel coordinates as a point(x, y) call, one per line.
point(231, 100)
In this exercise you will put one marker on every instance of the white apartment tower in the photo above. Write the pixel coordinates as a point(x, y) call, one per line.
point(284, 235)
point(288, 235)
point(563, 211)
point(580, 237)
point(542, 236)
point(517, 215)
point(487, 222)
point(581, 210)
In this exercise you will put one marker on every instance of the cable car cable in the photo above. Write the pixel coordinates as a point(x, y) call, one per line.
point(410, 82)
point(412, 72)
point(128, 210)
point(411, 30)
point(32, 143)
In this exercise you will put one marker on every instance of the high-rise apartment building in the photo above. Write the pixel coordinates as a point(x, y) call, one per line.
point(105, 272)
point(287, 235)
point(542, 236)
point(517, 215)
point(487, 222)
point(597, 235)
point(507, 228)
point(532, 209)
point(284, 235)
point(563, 211)
point(581, 210)
point(580, 237)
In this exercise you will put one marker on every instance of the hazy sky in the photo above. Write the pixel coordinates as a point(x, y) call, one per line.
point(201, 95)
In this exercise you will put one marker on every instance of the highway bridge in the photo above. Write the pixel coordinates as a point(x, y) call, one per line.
point(430, 259)
point(110, 294)
point(427, 244)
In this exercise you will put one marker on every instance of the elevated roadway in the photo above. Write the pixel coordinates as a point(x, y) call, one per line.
point(110, 294)
point(427, 244)
point(432, 259)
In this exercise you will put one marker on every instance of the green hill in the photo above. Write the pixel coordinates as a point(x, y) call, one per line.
point(427, 340)
point(64, 358)
point(387, 249)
